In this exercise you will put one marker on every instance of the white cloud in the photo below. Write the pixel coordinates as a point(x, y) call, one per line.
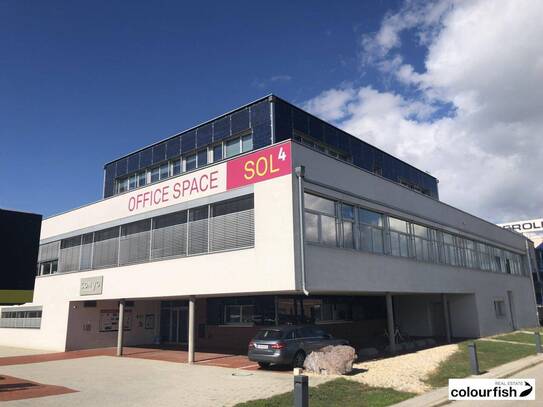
point(485, 58)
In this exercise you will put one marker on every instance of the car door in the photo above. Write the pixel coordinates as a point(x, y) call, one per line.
point(308, 338)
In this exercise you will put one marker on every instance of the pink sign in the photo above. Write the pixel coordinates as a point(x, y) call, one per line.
point(266, 164)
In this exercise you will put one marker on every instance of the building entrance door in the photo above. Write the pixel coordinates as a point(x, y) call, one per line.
point(174, 324)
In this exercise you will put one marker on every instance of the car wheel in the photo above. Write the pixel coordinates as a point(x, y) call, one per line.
point(299, 359)
point(264, 365)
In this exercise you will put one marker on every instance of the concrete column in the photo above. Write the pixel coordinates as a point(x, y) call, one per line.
point(120, 331)
point(192, 306)
point(446, 318)
point(390, 324)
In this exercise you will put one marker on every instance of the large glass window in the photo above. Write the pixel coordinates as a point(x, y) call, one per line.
point(122, 185)
point(400, 238)
point(370, 226)
point(320, 215)
point(142, 179)
point(347, 224)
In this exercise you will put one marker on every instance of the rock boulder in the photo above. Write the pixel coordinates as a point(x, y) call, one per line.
point(331, 360)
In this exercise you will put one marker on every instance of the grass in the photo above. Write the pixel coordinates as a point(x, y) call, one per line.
point(338, 392)
point(519, 337)
point(490, 354)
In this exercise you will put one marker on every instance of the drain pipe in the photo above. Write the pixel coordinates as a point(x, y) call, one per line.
point(300, 173)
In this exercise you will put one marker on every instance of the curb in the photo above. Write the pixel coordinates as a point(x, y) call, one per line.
point(440, 397)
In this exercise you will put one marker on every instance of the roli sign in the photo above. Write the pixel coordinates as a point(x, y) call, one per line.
point(525, 226)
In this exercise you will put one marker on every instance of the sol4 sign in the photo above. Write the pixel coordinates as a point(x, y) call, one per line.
point(260, 166)
point(268, 163)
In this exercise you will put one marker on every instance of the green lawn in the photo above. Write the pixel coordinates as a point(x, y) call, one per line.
point(338, 392)
point(490, 354)
point(518, 337)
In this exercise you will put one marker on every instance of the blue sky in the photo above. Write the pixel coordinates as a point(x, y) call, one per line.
point(84, 82)
point(451, 86)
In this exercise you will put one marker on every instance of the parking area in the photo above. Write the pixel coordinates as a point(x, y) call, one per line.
point(145, 380)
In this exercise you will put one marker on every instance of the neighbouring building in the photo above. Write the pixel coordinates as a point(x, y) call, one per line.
point(19, 242)
point(268, 215)
point(533, 230)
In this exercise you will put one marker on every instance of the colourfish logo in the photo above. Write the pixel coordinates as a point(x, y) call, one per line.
point(491, 389)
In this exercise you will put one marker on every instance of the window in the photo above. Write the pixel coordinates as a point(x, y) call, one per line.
point(400, 238)
point(155, 174)
point(347, 223)
point(232, 224)
point(198, 230)
point(134, 242)
point(190, 162)
point(247, 143)
point(320, 218)
point(499, 308)
point(133, 182)
point(217, 152)
point(176, 167)
point(142, 179)
point(202, 158)
point(122, 185)
point(232, 148)
point(370, 226)
point(169, 235)
point(239, 314)
point(164, 170)
point(21, 317)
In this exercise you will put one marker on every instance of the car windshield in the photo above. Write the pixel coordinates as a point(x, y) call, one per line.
point(269, 334)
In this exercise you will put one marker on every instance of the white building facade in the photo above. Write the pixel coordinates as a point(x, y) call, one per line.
point(210, 255)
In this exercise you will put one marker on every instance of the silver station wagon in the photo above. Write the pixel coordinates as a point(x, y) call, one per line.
point(288, 345)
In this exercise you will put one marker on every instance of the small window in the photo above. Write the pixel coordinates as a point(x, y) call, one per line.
point(190, 162)
point(217, 153)
point(142, 178)
point(176, 167)
point(164, 171)
point(316, 203)
point(122, 185)
point(232, 147)
point(133, 182)
point(202, 158)
point(247, 143)
point(499, 308)
point(155, 174)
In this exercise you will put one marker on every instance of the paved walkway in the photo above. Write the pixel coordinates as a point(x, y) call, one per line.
point(178, 356)
point(134, 382)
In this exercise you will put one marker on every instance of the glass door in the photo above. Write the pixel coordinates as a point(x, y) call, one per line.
point(174, 324)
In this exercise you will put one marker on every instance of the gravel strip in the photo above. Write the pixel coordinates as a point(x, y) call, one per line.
point(405, 372)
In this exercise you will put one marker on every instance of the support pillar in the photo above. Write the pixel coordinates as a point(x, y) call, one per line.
point(390, 324)
point(446, 318)
point(192, 306)
point(120, 331)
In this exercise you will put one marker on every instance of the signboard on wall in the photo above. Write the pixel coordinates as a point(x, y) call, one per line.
point(532, 229)
point(271, 162)
point(91, 285)
point(109, 320)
